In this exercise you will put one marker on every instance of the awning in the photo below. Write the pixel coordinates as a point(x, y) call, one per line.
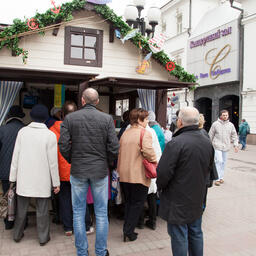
point(44, 76)
point(138, 83)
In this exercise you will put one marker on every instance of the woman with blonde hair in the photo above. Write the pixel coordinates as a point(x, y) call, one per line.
point(130, 167)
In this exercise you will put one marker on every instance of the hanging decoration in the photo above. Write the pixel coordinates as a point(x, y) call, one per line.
point(144, 65)
point(118, 34)
point(157, 42)
point(173, 100)
point(56, 10)
point(132, 33)
point(32, 24)
point(170, 66)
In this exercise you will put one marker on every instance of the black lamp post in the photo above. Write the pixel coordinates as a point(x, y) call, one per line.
point(133, 17)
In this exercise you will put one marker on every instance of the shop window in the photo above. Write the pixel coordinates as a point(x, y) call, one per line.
point(83, 46)
point(179, 24)
point(122, 106)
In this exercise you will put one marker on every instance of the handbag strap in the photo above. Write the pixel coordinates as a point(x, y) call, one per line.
point(142, 132)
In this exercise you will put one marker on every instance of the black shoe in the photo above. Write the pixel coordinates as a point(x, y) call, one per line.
point(131, 237)
point(107, 253)
point(18, 240)
point(150, 225)
point(44, 243)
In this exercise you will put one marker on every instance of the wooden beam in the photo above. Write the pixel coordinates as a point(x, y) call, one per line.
point(111, 33)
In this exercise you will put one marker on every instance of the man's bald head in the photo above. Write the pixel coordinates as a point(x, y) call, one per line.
point(188, 116)
point(90, 96)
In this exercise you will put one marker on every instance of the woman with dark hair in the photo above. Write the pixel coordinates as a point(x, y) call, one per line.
point(131, 169)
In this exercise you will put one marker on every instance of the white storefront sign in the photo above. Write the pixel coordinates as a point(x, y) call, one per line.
point(213, 57)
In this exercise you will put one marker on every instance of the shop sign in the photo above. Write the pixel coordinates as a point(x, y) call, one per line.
point(213, 57)
point(59, 95)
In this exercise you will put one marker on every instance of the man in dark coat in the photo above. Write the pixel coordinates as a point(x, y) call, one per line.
point(88, 141)
point(182, 176)
point(8, 134)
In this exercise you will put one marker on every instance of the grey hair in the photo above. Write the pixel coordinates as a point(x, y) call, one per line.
point(90, 96)
point(189, 116)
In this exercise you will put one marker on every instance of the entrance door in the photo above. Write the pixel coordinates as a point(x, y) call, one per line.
point(204, 106)
point(231, 104)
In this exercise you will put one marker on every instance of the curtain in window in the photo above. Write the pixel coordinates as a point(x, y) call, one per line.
point(8, 92)
point(147, 99)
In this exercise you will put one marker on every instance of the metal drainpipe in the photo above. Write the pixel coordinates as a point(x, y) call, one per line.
point(190, 17)
point(186, 97)
point(241, 59)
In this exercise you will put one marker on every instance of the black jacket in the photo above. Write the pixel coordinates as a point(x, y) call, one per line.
point(182, 175)
point(8, 134)
point(88, 141)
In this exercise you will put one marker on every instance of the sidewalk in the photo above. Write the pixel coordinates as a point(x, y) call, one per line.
point(229, 223)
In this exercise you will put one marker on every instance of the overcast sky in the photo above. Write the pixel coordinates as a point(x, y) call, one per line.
point(11, 9)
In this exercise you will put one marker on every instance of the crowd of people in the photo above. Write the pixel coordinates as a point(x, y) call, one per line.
point(70, 156)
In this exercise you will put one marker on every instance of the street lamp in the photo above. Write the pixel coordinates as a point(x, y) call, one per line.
point(133, 17)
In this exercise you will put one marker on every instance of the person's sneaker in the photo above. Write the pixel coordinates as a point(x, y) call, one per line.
point(68, 233)
point(90, 231)
point(221, 181)
point(217, 183)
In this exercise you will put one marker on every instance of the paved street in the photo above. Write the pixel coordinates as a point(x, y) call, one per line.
point(229, 223)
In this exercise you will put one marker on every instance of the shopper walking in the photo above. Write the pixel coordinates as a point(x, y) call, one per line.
point(132, 171)
point(182, 176)
point(8, 134)
point(244, 130)
point(34, 168)
point(222, 133)
point(88, 141)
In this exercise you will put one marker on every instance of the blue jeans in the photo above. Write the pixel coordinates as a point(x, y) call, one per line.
point(79, 190)
point(220, 162)
point(242, 139)
point(187, 238)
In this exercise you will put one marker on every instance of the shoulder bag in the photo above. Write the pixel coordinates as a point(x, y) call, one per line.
point(150, 168)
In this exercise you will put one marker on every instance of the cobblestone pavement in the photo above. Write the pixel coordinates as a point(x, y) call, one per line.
point(229, 223)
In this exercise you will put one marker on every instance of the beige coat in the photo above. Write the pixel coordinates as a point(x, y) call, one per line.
point(130, 166)
point(222, 133)
point(34, 162)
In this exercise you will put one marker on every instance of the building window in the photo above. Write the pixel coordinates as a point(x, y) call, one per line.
point(83, 46)
point(178, 60)
point(179, 24)
point(122, 106)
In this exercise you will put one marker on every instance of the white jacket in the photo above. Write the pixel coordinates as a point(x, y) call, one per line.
point(34, 162)
point(158, 151)
point(222, 133)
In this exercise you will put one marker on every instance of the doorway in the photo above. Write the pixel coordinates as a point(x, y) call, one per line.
point(231, 104)
point(204, 106)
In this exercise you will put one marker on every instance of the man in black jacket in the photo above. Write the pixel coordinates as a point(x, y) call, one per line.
point(88, 141)
point(8, 134)
point(182, 176)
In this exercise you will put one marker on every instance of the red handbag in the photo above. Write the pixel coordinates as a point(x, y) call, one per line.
point(150, 168)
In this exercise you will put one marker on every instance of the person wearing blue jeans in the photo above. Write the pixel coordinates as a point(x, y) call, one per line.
point(186, 238)
point(181, 181)
point(99, 188)
point(222, 133)
point(88, 141)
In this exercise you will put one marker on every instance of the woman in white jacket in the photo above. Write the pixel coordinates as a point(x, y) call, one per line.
point(34, 168)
